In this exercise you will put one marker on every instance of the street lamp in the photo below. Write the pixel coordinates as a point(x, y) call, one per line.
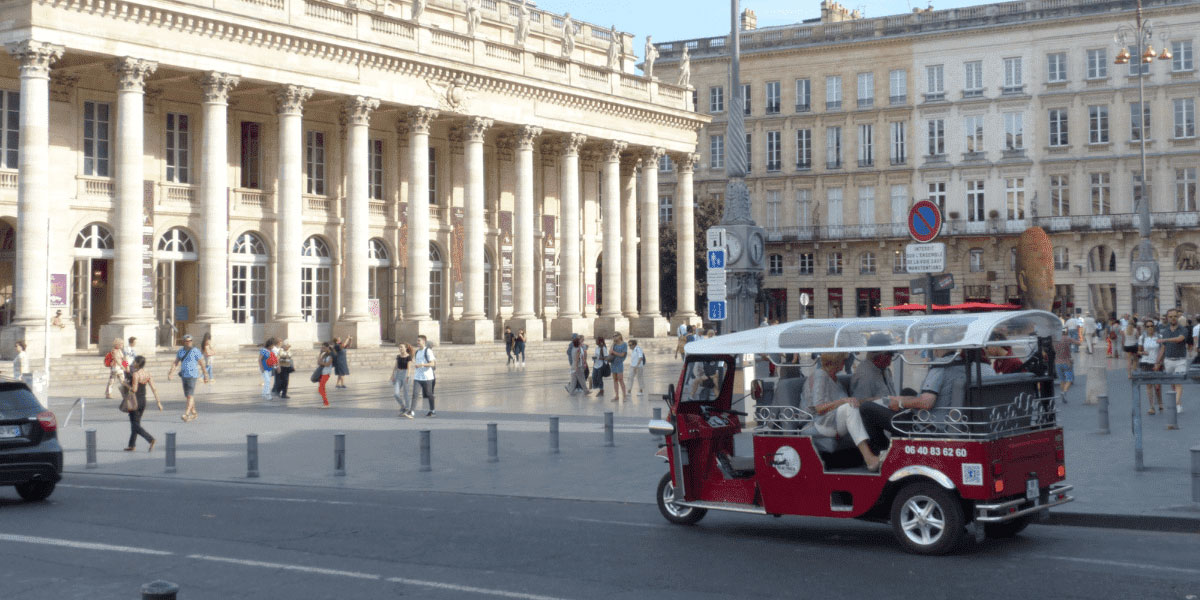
point(1144, 267)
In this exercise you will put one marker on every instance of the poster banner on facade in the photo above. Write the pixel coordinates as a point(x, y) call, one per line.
point(58, 290)
point(147, 244)
point(550, 299)
point(591, 294)
point(506, 259)
point(456, 253)
point(373, 308)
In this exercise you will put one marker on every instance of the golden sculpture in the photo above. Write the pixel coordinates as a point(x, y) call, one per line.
point(1035, 269)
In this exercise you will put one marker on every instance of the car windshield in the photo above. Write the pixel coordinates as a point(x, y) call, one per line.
point(17, 399)
point(703, 380)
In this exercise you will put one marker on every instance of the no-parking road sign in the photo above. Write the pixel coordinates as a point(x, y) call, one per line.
point(924, 221)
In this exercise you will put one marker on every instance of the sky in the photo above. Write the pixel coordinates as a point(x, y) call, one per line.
point(668, 20)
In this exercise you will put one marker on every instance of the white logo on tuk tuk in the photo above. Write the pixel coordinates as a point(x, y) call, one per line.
point(787, 461)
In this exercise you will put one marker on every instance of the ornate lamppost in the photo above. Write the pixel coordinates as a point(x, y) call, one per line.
point(1144, 267)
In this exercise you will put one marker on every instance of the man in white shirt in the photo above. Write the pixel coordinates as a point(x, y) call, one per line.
point(423, 363)
point(637, 363)
point(682, 330)
point(1073, 332)
point(1089, 332)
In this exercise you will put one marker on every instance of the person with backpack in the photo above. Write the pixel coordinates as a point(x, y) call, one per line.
point(423, 375)
point(267, 361)
point(599, 366)
point(117, 364)
point(637, 367)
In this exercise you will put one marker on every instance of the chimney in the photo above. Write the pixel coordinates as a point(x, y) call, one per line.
point(749, 20)
point(832, 12)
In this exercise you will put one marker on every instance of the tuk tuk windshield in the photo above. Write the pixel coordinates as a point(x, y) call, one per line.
point(704, 380)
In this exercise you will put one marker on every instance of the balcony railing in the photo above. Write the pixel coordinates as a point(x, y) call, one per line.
point(833, 105)
point(803, 108)
point(897, 100)
point(866, 162)
point(1119, 222)
point(866, 102)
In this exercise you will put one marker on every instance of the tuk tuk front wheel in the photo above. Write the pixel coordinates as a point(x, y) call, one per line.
point(680, 515)
point(927, 519)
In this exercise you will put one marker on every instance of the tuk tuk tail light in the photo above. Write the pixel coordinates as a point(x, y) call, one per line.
point(999, 486)
point(1062, 470)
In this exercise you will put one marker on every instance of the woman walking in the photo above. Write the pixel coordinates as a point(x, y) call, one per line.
point(619, 351)
point(116, 363)
point(209, 352)
point(340, 366)
point(283, 372)
point(1149, 359)
point(139, 380)
point(21, 369)
point(401, 387)
point(519, 347)
point(599, 360)
point(1129, 344)
point(325, 362)
point(578, 356)
point(267, 361)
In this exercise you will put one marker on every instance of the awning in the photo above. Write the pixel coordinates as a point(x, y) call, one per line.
point(963, 306)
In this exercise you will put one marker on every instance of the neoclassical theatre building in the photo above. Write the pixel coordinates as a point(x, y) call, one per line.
point(310, 168)
point(1008, 115)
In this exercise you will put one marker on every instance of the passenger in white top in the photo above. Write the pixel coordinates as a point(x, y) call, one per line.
point(423, 377)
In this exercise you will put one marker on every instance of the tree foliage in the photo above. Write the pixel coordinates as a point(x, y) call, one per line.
point(707, 214)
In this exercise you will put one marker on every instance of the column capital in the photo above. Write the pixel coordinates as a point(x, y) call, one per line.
point(524, 136)
point(569, 144)
point(475, 128)
point(611, 150)
point(357, 110)
point(216, 86)
point(132, 73)
point(651, 155)
point(418, 120)
point(630, 163)
point(685, 162)
point(35, 57)
point(290, 99)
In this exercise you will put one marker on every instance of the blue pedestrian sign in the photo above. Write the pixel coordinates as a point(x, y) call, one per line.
point(716, 310)
point(716, 259)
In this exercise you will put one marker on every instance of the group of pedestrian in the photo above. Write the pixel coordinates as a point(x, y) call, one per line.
point(414, 371)
point(1157, 343)
point(588, 370)
point(514, 347)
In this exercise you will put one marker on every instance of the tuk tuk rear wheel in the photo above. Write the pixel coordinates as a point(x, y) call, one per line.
point(927, 519)
point(680, 515)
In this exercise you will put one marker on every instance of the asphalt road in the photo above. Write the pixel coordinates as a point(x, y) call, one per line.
point(102, 536)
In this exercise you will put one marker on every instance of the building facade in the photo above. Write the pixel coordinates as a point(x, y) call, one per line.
point(1006, 115)
point(310, 168)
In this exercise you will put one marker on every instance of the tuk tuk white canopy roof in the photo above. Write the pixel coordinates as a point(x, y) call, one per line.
point(885, 334)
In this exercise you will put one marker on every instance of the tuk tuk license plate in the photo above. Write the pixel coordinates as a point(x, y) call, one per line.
point(10, 431)
point(1031, 489)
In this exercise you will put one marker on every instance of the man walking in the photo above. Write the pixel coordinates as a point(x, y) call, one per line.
point(423, 363)
point(1174, 351)
point(189, 360)
point(637, 364)
point(508, 345)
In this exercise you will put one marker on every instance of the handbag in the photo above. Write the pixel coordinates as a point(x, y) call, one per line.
point(316, 376)
point(605, 370)
point(129, 401)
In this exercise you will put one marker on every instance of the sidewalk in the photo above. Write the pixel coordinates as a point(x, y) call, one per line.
point(296, 444)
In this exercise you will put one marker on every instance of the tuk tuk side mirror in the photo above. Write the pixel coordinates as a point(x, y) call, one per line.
point(669, 397)
point(661, 428)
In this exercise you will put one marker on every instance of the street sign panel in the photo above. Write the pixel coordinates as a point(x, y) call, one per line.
point(916, 287)
point(943, 282)
point(925, 258)
point(716, 310)
point(716, 276)
point(716, 238)
point(716, 291)
point(924, 221)
point(716, 259)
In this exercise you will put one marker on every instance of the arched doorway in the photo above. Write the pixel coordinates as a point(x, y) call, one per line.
point(91, 299)
point(379, 288)
point(177, 285)
point(248, 283)
point(316, 289)
point(436, 282)
point(8, 257)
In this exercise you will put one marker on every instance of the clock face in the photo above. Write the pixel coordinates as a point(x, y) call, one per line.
point(735, 248)
point(1143, 274)
point(756, 248)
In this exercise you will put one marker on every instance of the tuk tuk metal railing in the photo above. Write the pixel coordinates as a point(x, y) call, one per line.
point(780, 420)
point(1025, 414)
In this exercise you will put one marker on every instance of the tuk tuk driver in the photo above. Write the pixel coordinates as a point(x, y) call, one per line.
point(835, 413)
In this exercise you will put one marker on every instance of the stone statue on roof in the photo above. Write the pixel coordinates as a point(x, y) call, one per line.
point(651, 56)
point(568, 33)
point(418, 7)
point(685, 69)
point(614, 50)
point(521, 33)
point(474, 17)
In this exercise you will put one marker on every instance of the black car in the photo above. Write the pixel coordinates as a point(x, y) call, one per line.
point(30, 457)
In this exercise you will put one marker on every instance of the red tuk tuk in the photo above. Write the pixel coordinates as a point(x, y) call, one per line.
point(988, 458)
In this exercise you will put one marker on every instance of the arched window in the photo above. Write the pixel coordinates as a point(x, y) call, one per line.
point(176, 244)
point(1102, 259)
point(775, 264)
point(866, 263)
point(377, 253)
point(435, 282)
point(315, 280)
point(95, 241)
point(248, 279)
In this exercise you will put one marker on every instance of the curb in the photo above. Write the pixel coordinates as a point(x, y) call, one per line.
point(1136, 522)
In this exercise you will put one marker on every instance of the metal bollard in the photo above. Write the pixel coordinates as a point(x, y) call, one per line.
point(170, 452)
point(608, 430)
point(1196, 474)
point(553, 435)
point(493, 443)
point(658, 413)
point(1102, 412)
point(159, 590)
point(426, 464)
point(91, 448)
point(339, 454)
point(251, 455)
point(1172, 414)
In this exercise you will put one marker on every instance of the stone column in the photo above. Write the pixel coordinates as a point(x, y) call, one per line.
point(214, 315)
point(474, 327)
point(570, 307)
point(356, 321)
point(629, 234)
point(685, 232)
point(130, 316)
point(611, 319)
point(416, 283)
point(650, 322)
point(33, 192)
point(288, 323)
point(524, 278)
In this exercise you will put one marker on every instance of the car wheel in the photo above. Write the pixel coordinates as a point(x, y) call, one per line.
point(927, 519)
point(680, 515)
point(1007, 529)
point(35, 491)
